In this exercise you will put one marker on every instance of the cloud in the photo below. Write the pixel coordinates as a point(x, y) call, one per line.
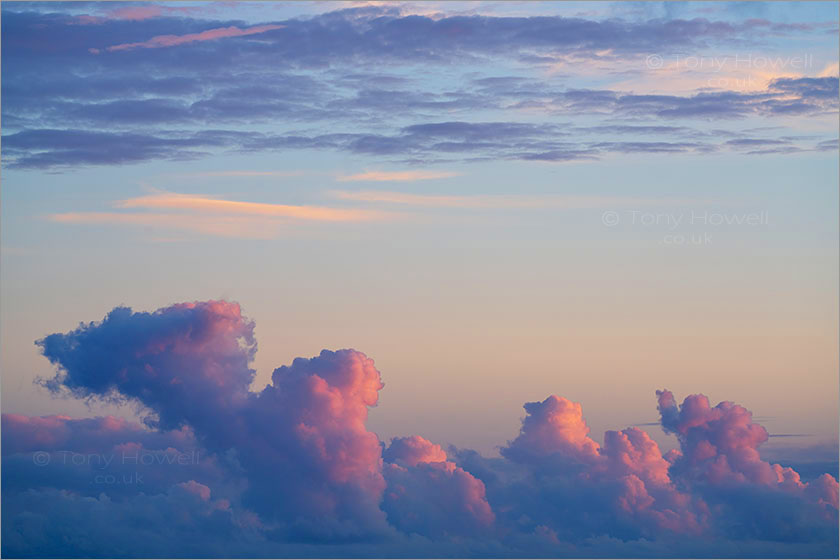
point(628, 472)
point(719, 457)
point(204, 204)
point(410, 451)
point(161, 41)
point(134, 13)
point(296, 88)
point(811, 88)
point(784, 95)
point(49, 148)
point(554, 426)
point(507, 201)
point(171, 360)
point(720, 446)
point(214, 216)
point(137, 12)
point(436, 499)
point(299, 98)
point(310, 464)
point(397, 176)
point(206, 215)
point(429, 495)
point(292, 470)
point(87, 456)
point(244, 173)
point(55, 433)
point(236, 227)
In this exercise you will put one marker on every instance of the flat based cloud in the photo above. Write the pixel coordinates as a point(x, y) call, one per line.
point(292, 470)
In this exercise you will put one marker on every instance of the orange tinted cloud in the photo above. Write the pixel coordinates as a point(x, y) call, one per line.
point(198, 203)
point(214, 216)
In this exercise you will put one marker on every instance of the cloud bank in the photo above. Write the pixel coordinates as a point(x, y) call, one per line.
point(217, 469)
point(151, 83)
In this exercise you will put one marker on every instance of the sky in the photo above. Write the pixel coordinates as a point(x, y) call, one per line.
point(439, 266)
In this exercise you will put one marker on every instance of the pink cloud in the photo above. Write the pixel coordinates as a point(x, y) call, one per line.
point(720, 447)
point(429, 495)
point(137, 13)
point(161, 41)
point(298, 460)
point(397, 176)
point(409, 451)
point(197, 489)
point(553, 426)
point(719, 443)
point(25, 434)
point(629, 467)
point(218, 217)
point(302, 441)
point(134, 13)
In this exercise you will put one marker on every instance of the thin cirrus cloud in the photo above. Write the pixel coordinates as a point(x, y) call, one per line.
point(199, 203)
point(397, 176)
point(259, 220)
point(161, 41)
point(508, 201)
point(238, 227)
point(216, 216)
point(244, 173)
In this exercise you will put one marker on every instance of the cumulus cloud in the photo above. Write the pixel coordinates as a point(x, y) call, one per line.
point(628, 473)
point(430, 495)
point(301, 442)
point(719, 447)
point(292, 470)
point(413, 450)
point(188, 363)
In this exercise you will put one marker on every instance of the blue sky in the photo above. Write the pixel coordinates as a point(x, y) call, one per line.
point(495, 201)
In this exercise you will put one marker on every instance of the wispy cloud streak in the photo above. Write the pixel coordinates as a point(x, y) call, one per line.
point(397, 176)
point(217, 217)
point(204, 204)
point(161, 41)
point(508, 200)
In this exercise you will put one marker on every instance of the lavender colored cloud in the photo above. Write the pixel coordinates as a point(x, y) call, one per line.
point(292, 469)
point(430, 495)
point(66, 108)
